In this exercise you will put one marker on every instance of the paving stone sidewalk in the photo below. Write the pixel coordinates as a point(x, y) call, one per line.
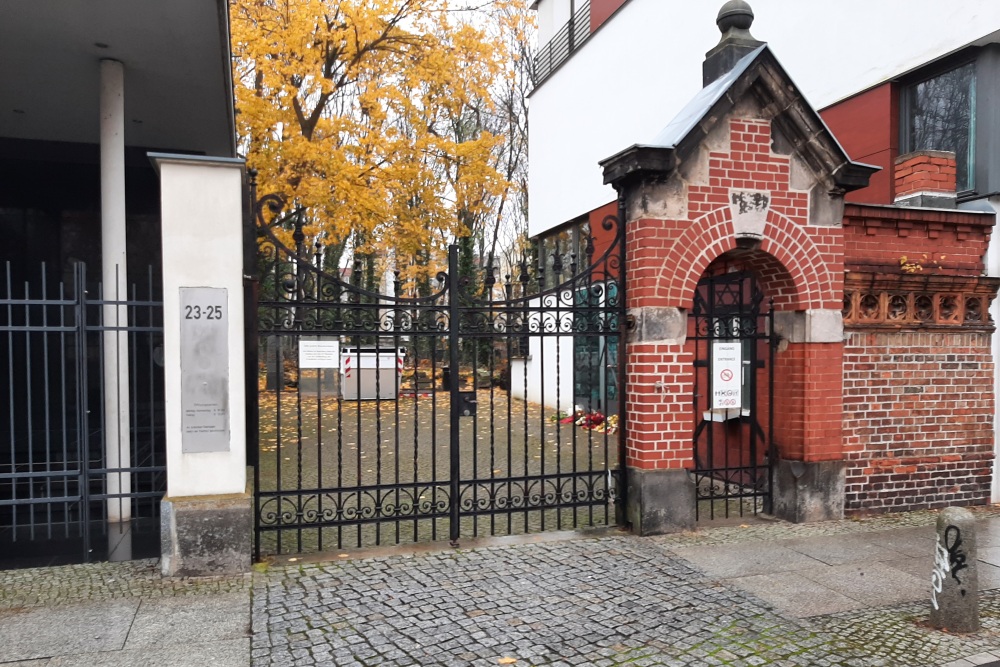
point(620, 600)
point(849, 593)
point(122, 615)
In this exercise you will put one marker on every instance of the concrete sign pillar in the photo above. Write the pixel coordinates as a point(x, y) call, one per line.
point(206, 515)
point(117, 420)
point(955, 578)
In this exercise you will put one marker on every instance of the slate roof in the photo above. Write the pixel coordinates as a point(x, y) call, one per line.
point(806, 129)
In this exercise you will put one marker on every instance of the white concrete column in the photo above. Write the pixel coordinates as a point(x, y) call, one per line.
point(206, 518)
point(993, 270)
point(117, 421)
point(202, 220)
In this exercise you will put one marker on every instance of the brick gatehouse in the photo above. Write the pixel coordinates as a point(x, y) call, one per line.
point(858, 375)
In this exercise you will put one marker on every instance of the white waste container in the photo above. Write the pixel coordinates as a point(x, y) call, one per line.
point(367, 374)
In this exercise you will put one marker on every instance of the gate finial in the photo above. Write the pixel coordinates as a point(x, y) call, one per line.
point(735, 14)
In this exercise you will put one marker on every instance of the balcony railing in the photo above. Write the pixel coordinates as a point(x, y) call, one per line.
point(569, 38)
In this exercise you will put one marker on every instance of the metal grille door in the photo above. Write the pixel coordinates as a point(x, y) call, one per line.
point(733, 406)
point(73, 488)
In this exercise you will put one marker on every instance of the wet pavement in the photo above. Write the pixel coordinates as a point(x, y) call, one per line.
point(838, 593)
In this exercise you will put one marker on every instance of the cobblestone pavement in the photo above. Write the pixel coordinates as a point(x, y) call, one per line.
point(605, 599)
point(612, 600)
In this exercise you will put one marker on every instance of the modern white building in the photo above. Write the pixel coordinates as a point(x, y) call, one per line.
point(90, 90)
point(631, 70)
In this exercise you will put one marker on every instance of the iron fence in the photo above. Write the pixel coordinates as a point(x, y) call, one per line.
point(84, 459)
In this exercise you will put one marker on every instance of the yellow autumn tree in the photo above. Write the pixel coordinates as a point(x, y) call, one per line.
point(367, 113)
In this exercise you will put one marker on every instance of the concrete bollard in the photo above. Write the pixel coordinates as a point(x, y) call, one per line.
point(955, 580)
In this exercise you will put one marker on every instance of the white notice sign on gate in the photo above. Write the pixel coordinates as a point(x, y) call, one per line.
point(319, 354)
point(727, 380)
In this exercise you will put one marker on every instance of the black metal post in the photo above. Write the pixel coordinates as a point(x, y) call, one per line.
point(83, 439)
point(772, 458)
point(455, 443)
point(622, 365)
point(251, 285)
point(251, 293)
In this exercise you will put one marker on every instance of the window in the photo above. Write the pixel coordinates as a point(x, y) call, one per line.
point(939, 114)
point(595, 348)
point(563, 251)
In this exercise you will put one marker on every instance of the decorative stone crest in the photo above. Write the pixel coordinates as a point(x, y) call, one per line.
point(749, 212)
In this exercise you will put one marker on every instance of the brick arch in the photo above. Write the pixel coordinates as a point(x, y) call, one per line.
point(795, 249)
point(794, 254)
point(778, 282)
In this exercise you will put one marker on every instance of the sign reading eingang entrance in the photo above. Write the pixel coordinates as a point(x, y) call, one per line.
point(727, 375)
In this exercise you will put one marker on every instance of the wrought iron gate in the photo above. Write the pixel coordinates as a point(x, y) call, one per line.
point(733, 406)
point(485, 404)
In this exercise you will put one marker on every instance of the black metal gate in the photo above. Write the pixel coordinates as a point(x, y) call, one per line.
point(486, 404)
point(70, 489)
point(733, 397)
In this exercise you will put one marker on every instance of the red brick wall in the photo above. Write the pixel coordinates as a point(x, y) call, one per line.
point(867, 126)
point(918, 420)
point(660, 420)
point(941, 242)
point(808, 401)
point(926, 171)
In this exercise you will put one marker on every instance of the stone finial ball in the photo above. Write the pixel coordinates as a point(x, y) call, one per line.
point(735, 14)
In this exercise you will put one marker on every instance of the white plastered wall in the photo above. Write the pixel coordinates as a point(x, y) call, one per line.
point(545, 20)
point(202, 219)
point(993, 269)
point(640, 68)
point(554, 354)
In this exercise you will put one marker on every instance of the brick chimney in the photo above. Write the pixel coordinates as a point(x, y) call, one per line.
point(734, 21)
point(926, 179)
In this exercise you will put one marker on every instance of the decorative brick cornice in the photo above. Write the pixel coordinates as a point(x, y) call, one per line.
point(886, 301)
point(874, 217)
point(887, 239)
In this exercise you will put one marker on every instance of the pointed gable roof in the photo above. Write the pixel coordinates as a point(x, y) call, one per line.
point(760, 74)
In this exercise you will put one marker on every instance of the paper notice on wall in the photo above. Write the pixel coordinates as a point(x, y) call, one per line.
point(727, 380)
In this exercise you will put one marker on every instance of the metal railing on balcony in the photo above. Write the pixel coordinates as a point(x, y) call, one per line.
point(558, 49)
